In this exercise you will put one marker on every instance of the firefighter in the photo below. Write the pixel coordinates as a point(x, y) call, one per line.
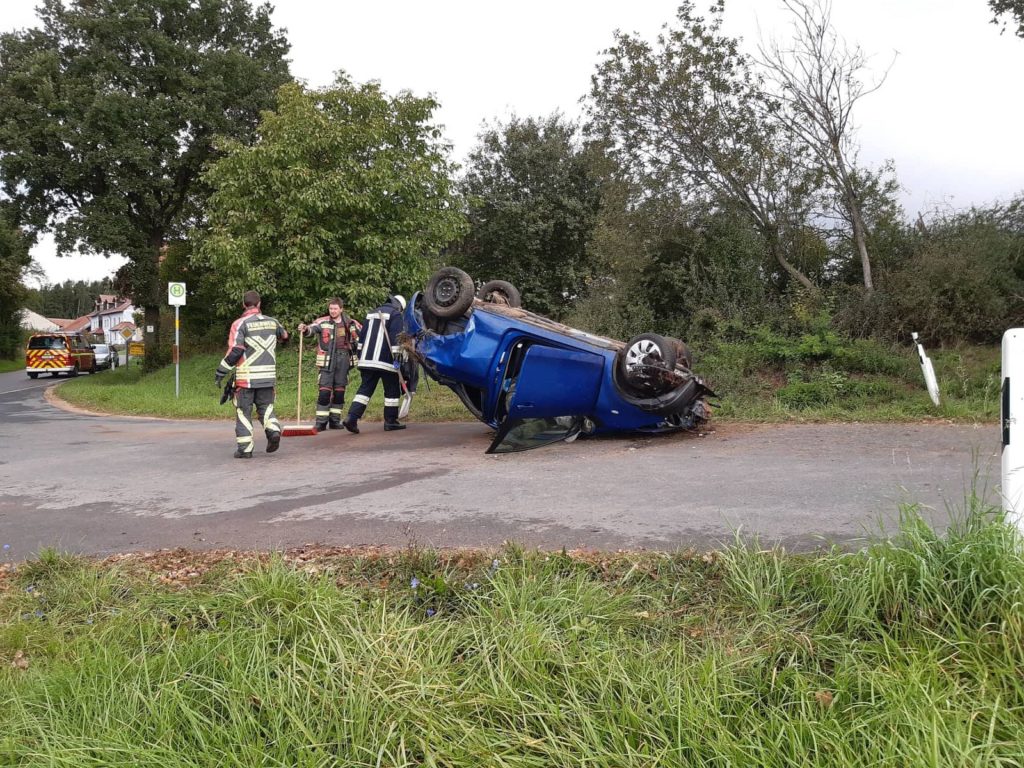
point(379, 359)
point(337, 334)
point(252, 353)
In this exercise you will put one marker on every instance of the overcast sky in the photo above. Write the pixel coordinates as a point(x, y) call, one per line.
point(949, 115)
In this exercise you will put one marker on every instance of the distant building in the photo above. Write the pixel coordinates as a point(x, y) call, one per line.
point(78, 325)
point(33, 321)
point(112, 314)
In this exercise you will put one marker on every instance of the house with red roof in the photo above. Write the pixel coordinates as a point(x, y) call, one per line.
point(111, 316)
point(78, 325)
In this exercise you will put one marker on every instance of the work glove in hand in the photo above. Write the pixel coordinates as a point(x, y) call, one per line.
point(218, 378)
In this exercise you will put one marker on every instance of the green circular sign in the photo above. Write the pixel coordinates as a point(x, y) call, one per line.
point(177, 289)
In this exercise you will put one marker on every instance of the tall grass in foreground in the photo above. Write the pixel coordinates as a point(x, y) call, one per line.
point(906, 653)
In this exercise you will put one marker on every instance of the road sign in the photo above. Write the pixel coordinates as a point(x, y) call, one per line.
point(137, 349)
point(127, 333)
point(176, 294)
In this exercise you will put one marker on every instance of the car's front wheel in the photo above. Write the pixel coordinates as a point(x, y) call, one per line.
point(449, 293)
point(642, 361)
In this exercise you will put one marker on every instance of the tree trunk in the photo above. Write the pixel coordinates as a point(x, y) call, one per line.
point(861, 241)
point(795, 273)
point(151, 306)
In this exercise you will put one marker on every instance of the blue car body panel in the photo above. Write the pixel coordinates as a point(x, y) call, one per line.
point(556, 382)
point(509, 365)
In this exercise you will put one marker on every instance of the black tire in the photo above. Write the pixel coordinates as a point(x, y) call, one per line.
point(683, 353)
point(645, 349)
point(500, 292)
point(674, 401)
point(449, 293)
point(74, 371)
point(33, 375)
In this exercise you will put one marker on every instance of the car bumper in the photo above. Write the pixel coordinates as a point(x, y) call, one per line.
point(67, 369)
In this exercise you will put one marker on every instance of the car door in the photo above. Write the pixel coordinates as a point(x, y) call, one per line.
point(547, 393)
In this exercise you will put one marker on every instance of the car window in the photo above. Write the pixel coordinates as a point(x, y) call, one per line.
point(101, 349)
point(46, 342)
point(524, 434)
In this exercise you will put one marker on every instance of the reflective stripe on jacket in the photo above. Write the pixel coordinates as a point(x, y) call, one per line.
point(256, 335)
point(374, 350)
point(326, 331)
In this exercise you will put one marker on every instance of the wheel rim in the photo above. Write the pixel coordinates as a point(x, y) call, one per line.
point(446, 291)
point(639, 352)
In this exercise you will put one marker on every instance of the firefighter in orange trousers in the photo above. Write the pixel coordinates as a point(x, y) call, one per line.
point(336, 335)
point(252, 353)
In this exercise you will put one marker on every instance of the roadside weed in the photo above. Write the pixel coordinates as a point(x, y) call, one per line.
point(905, 652)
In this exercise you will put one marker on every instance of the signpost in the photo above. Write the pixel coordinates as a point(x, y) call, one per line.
point(126, 333)
point(176, 298)
point(1012, 417)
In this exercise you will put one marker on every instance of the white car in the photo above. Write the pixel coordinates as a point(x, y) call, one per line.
point(106, 357)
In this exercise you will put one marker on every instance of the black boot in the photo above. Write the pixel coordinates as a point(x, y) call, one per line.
point(273, 441)
point(320, 426)
point(390, 426)
point(351, 425)
point(334, 424)
point(240, 454)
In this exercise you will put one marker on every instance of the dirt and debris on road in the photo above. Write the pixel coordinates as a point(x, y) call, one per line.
point(373, 566)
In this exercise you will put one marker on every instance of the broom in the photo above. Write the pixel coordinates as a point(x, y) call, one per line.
point(297, 429)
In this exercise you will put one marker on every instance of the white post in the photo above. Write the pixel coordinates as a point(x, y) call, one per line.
point(176, 298)
point(1011, 411)
point(176, 365)
point(929, 372)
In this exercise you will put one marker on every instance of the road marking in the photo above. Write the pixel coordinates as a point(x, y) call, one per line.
point(23, 389)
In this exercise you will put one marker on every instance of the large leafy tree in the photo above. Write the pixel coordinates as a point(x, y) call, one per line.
point(347, 191)
point(108, 113)
point(1008, 12)
point(688, 118)
point(533, 199)
point(15, 262)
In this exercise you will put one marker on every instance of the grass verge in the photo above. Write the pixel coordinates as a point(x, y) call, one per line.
point(762, 378)
point(6, 366)
point(767, 377)
point(905, 653)
point(128, 390)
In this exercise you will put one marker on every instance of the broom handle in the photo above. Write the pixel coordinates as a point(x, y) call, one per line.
point(298, 399)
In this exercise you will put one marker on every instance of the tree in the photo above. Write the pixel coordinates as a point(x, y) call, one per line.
point(108, 113)
point(70, 299)
point(689, 119)
point(817, 79)
point(15, 262)
point(346, 192)
point(1012, 8)
point(533, 201)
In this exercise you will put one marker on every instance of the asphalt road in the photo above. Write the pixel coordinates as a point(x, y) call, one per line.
point(100, 485)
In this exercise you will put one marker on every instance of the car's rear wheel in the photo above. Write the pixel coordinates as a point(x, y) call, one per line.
point(33, 375)
point(683, 353)
point(500, 292)
point(74, 371)
point(449, 293)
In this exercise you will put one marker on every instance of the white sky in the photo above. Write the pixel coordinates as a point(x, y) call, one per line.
point(949, 115)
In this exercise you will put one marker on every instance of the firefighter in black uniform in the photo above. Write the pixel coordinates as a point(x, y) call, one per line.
point(252, 352)
point(337, 334)
point(378, 353)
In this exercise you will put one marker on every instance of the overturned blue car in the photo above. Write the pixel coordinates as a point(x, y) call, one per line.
point(537, 381)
